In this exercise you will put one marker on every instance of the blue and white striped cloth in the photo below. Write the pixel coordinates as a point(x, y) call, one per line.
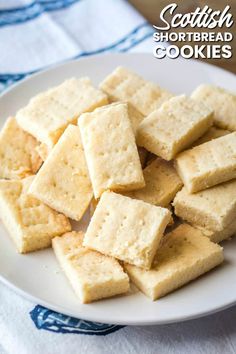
point(37, 34)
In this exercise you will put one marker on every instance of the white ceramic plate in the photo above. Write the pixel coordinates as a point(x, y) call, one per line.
point(38, 277)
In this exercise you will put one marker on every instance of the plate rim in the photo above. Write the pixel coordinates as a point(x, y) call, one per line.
point(48, 68)
point(36, 301)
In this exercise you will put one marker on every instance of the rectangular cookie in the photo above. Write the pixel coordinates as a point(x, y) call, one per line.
point(174, 126)
point(127, 229)
point(18, 155)
point(211, 134)
point(184, 256)
point(124, 85)
point(134, 115)
point(222, 101)
point(110, 149)
point(143, 154)
point(47, 115)
point(162, 183)
point(218, 236)
point(92, 275)
point(30, 223)
point(213, 208)
point(208, 164)
point(150, 158)
point(63, 182)
point(93, 206)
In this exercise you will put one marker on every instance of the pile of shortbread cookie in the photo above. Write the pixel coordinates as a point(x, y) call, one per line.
point(157, 171)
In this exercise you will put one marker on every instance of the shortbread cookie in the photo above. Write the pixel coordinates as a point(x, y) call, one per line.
point(174, 126)
point(63, 182)
point(18, 155)
point(127, 229)
point(223, 103)
point(43, 151)
point(92, 275)
point(93, 206)
point(110, 149)
point(134, 115)
point(162, 183)
point(150, 158)
point(208, 164)
point(211, 134)
point(48, 114)
point(218, 236)
point(213, 208)
point(30, 223)
point(184, 256)
point(172, 221)
point(124, 85)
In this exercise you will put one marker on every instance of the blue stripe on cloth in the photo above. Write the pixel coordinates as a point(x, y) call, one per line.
point(23, 14)
point(138, 35)
point(52, 321)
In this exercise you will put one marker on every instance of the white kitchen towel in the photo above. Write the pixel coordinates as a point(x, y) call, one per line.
point(37, 34)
